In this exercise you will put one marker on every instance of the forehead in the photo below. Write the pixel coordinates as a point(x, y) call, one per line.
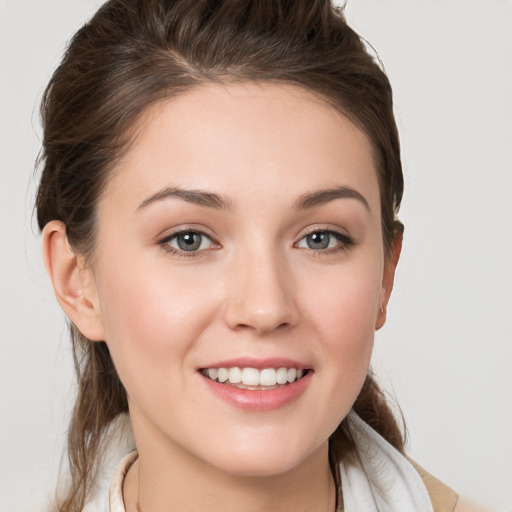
point(245, 139)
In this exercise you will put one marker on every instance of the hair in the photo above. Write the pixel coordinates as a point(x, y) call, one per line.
point(135, 53)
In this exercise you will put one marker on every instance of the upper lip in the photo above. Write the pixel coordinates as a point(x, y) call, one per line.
point(258, 363)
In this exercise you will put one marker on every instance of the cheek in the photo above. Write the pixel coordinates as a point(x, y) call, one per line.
point(152, 318)
point(346, 303)
point(343, 312)
point(339, 313)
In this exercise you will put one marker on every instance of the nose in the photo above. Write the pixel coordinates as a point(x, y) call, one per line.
point(261, 295)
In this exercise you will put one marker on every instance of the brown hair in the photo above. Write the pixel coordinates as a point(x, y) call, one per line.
point(134, 53)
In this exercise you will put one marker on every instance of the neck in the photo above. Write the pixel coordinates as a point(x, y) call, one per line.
point(167, 480)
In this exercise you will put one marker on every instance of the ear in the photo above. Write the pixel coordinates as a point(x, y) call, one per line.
point(388, 278)
point(73, 282)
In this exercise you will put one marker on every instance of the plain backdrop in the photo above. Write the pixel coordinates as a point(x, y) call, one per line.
point(446, 351)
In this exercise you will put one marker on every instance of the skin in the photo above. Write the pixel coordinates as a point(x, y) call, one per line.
point(254, 288)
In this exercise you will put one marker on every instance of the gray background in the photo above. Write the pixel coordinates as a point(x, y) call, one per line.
point(446, 350)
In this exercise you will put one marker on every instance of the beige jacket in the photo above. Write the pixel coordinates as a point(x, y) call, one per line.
point(443, 498)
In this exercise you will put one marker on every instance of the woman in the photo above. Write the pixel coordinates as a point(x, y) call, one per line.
point(218, 205)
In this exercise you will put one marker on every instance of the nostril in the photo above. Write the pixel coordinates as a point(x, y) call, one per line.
point(260, 308)
point(271, 327)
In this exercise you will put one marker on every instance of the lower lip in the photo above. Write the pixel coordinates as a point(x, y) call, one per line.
point(259, 400)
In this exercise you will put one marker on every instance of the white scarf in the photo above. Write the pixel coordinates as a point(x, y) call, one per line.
point(381, 480)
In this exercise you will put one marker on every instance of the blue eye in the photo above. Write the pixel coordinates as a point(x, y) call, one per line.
point(187, 241)
point(324, 240)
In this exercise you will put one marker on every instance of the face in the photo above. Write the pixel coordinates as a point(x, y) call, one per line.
point(240, 239)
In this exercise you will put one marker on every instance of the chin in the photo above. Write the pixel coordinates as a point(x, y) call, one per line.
point(265, 460)
point(258, 467)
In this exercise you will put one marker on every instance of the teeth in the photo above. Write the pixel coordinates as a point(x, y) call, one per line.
point(252, 377)
point(282, 376)
point(235, 375)
point(268, 377)
point(223, 374)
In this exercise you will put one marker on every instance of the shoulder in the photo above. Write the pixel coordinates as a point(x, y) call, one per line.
point(466, 506)
point(443, 498)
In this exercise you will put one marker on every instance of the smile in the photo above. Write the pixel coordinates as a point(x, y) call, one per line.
point(254, 379)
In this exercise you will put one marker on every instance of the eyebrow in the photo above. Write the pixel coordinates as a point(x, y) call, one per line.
point(198, 197)
point(216, 201)
point(320, 197)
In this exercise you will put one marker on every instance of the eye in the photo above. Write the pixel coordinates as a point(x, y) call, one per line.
point(324, 240)
point(187, 241)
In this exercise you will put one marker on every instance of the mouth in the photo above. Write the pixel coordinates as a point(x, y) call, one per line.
point(255, 379)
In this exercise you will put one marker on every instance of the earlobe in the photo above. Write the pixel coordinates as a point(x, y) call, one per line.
point(388, 279)
point(72, 281)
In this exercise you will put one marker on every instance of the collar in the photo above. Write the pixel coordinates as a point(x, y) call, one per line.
point(379, 479)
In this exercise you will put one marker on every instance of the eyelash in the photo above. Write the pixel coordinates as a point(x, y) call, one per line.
point(164, 243)
point(345, 242)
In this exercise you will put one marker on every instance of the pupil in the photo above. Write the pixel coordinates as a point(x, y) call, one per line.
point(318, 240)
point(189, 241)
